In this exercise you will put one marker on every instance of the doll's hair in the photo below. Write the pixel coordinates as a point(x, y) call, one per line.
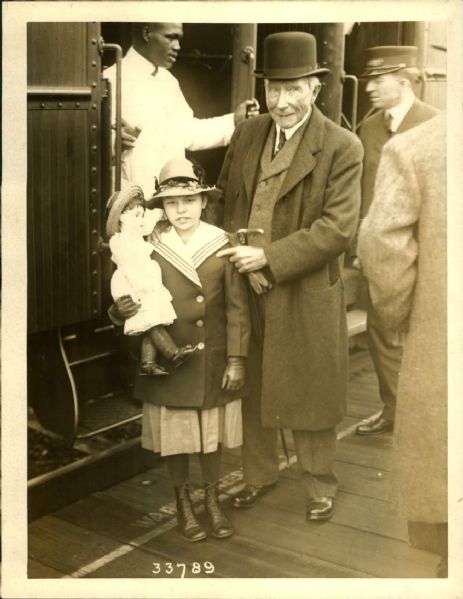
point(133, 204)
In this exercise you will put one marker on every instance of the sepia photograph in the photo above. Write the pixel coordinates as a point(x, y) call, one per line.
point(230, 286)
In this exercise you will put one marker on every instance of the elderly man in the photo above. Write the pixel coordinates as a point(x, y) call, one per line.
point(158, 122)
point(296, 175)
point(402, 245)
point(391, 74)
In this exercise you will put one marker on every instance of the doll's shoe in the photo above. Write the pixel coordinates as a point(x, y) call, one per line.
point(152, 369)
point(182, 355)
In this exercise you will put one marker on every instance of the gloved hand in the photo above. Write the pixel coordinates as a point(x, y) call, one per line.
point(233, 377)
point(126, 306)
point(259, 282)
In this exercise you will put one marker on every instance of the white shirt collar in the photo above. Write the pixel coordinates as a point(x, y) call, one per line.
point(138, 63)
point(398, 112)
point(290, 132)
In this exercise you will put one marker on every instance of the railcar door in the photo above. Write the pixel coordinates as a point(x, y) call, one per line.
point(71, 342)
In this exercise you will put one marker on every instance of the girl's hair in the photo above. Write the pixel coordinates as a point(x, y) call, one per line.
point(133, 204)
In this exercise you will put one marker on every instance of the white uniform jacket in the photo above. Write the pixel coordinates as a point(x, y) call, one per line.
point(153, 101)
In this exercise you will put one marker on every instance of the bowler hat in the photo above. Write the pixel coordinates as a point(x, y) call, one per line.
point(290, 55)
point(389, 59)
point(118, 202)
point(180, 177)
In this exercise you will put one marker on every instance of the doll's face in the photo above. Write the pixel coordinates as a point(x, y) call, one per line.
point(131, 220)
point(184, 212)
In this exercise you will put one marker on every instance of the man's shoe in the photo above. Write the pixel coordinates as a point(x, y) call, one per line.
point(320, 508)
point(249, 496)
point(375, 427)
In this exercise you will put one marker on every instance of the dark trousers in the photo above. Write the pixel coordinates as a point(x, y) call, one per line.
point(386, 352)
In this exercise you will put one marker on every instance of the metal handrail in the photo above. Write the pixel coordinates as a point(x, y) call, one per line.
point(118, 141)
point(355, 93)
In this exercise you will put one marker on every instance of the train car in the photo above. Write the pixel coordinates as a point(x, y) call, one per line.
point(79, 370)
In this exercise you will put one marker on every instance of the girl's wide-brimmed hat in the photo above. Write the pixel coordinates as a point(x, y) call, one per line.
point(180, 177)
point(290, 55)
point(118, 202)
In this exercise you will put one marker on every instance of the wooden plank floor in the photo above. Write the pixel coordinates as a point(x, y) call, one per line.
point(129, 530)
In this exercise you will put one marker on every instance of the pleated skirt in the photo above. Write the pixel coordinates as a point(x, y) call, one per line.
point(171, 431)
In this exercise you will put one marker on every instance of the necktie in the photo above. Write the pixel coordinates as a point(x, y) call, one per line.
point(388, 121)
point(281, 142)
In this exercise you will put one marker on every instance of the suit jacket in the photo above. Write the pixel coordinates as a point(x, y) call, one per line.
point(374, 135)
point(402, 246)
point(304, 372)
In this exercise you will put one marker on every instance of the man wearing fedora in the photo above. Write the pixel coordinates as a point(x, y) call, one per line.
point(296, 175)
point(391, 73)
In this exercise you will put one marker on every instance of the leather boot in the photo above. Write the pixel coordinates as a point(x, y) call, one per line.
point(165, 344)
point(148, 364)
point(221, 526)
point(187, 523)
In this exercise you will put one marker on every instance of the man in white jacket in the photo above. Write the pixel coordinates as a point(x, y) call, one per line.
point(158, 123)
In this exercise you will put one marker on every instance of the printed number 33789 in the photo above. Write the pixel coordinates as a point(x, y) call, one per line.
point(170, 568)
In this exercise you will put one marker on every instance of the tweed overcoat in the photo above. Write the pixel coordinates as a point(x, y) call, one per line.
point(374, 134)
point(304, 372)
point(402, 246)
point(214, 314)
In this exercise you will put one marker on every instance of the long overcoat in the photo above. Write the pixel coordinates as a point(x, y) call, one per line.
point(402, 246)
point(212, 312)
point(304, 372)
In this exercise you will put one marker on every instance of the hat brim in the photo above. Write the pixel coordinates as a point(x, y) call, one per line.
point(283, 75)
point(377, 71)
point(156, 201)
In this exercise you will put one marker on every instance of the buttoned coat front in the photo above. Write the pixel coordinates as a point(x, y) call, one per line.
point(304, 372)
point(214, 316)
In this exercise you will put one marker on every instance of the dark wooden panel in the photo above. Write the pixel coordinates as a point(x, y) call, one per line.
point(58, 218)
point(57, 54)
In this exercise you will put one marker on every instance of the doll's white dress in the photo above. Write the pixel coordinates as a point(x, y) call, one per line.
point(140, 277)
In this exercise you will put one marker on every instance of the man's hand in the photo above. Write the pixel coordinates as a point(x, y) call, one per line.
point(233, 377)
point(129, 134)
point(246, 110)
point(247, 258)
point(126, 306)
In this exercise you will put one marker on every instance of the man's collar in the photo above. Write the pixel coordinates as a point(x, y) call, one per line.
point(398, 112)
point(290, 132)
point(134, 60)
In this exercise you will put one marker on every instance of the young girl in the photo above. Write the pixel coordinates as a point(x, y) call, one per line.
point(140, 277)
point(197, 409)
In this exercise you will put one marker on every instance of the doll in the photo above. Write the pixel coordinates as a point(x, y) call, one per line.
point(139, 277)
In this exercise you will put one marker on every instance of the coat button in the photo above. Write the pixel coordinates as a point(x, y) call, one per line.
point(200, 345)
point(200, 323)
point(200, 299)
point(263, 183)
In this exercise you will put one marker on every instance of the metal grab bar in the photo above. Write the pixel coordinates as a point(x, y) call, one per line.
point(118, 141)
point(355, 93)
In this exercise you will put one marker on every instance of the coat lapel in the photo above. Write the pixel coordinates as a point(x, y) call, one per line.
point(304, 161)
point(413, 117)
